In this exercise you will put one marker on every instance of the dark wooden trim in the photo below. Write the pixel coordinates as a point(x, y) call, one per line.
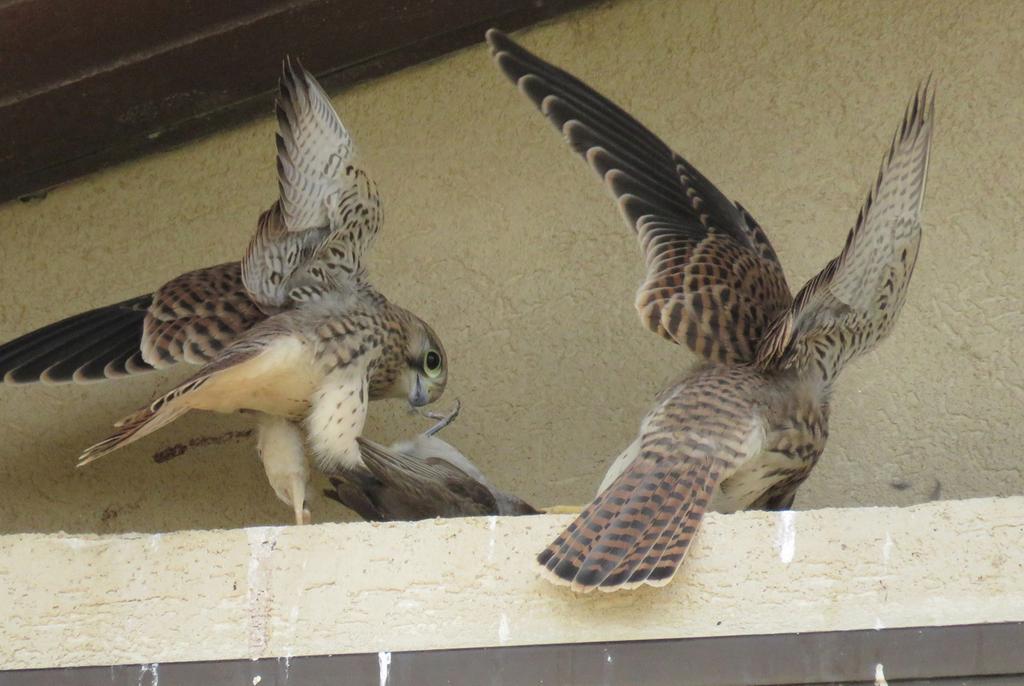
point(84, 85)
point(979, 654)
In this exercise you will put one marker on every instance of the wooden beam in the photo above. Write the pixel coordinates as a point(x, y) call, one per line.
point(81, 88)
point(974, 655)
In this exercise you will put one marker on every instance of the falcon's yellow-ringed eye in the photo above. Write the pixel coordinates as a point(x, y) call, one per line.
point(432, 364)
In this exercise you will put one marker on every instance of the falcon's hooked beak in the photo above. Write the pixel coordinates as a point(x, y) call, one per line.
point(419, 395)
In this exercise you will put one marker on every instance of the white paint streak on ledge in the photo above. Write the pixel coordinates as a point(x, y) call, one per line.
point(785, 538)
point(384, 665)
point(193, 597)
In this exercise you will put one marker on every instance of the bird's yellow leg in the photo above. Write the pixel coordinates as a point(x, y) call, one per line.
point(283, 455)
point(562, 509)
point(298, 491)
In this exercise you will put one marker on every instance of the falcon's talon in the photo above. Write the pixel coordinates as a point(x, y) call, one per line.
point(443, 420)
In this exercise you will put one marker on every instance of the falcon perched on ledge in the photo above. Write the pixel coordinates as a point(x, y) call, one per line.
point(745, 428)
point(295, 331)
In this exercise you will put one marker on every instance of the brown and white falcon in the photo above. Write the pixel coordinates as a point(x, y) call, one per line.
point(745, 428)
point(294, 331)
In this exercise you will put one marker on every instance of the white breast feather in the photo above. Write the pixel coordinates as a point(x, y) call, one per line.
point(338, 416)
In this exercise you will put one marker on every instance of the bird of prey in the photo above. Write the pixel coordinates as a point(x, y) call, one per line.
point(421, 479)
point(745, 427)
point(294, 331)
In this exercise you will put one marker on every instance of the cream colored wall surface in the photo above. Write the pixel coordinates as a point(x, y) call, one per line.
point(506, 242)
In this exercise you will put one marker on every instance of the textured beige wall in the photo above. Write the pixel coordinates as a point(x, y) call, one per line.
point(357, 588)
point(505, 241)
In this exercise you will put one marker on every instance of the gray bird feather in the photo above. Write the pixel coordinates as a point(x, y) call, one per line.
point(421, 478)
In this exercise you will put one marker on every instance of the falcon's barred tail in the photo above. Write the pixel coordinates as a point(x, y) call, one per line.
point(99, 344)
point(132, 428)
point(638, 530)
point(224, 384)
point(148, 419)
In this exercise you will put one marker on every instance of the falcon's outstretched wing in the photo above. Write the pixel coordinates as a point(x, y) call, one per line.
point(314, 237)
point(849, 306)
point(713, 279)
point(190, 319)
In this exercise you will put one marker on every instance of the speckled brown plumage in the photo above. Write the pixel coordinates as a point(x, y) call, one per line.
point(295, 331)
point(746, 427)
point(193, 317)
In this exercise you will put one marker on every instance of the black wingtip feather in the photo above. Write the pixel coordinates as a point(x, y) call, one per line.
point(64, 346)
point(495, 39)
point(34, 361)
point(128, 363)
point(112, 345)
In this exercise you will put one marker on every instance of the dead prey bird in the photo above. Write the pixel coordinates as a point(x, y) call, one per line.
point(745, 428)
point(421, 479)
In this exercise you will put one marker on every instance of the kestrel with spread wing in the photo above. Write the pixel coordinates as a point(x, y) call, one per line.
point(421, 479)
point(745, 428)
point(295, 331)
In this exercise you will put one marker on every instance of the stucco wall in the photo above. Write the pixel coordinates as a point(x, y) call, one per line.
point(506, 243)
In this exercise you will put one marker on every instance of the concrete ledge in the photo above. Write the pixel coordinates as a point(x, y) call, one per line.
point(358, 588)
